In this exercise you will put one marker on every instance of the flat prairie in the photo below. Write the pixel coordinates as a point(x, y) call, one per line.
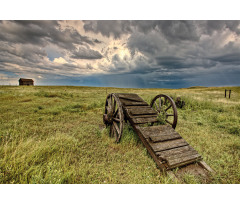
point(55, 134)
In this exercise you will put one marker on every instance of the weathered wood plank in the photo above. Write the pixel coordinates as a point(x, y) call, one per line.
point(177, 162)
point(143, 120)
point(174, 151)
point(127, 94)
point(160, 133)
point(187, 162)
point(142, 116)
point(133, 103)
point(156, 130)
point(181, 155)
point(164, 137)
point(142, 111)
point(161, 146)
point(131, 97)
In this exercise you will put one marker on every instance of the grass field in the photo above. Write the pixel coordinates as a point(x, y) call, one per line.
point(56, 135)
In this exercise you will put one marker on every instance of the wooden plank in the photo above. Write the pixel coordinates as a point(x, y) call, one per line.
point(187, 162)
point(161, 146)
point(127, 94)
point(181, 155)
point(183, 160)
point(142, 116)
point(157, 130)
point(141, 111)
point(133, 103)
point(164, 137)
point(160, 133)
point(131, 97)
point(143, 120)
point(174, 151)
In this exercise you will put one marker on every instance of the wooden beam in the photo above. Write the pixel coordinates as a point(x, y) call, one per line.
point(204, 165)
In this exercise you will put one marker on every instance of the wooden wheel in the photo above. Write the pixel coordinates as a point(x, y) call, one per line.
point(113, 116)
point(166, 108)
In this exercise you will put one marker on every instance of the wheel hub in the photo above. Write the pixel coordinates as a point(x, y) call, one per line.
point(108, 118)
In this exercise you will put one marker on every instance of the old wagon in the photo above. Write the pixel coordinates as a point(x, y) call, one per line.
point(155, 125)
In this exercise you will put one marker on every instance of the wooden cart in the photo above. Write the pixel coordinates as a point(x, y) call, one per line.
point(155, 125)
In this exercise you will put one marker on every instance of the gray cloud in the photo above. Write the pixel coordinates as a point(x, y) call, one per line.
point(83, 53)
point(42, 33)
point(230, 59)
point(210, 26)
point(107, 28)
point(173, 31)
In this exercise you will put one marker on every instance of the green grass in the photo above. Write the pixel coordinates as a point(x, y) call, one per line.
point(56, 135)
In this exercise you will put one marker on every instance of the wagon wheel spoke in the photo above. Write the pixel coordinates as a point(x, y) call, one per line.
point(169, 115)
point(111, 131)
point(111, 103)
point(169, 122)
point(165, 101)
point(168, 107)
point(116, 120)
point(114, 132)
point(158, 110)
point(109, 107)
point(116, 128)
point(114, 106)
point(116, 113)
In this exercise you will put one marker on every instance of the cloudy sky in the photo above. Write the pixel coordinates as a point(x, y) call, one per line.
point(142, 54)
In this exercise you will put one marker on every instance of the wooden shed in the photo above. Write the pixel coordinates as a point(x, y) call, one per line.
point(26, 82)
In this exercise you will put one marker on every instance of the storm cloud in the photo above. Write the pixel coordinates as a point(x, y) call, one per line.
point(170, 54)
point(84, 53)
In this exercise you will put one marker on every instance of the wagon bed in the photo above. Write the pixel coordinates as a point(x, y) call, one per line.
point(168, 149)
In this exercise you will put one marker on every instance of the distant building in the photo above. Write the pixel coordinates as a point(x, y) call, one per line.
point(26, 82)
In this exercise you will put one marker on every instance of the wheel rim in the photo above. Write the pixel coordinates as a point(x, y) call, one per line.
point(166, 109)
point(114, 116)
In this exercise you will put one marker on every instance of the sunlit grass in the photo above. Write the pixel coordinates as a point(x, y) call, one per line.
point(56, 135)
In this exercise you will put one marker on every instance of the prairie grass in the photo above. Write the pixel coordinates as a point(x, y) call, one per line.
point(55, 134)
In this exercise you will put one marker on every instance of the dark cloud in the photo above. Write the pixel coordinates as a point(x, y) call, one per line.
point(176, 31)
point(83, 53)
point(172, 30)
point(108, 28)
point(171, 62)
point(210, 26)
point(42, 33)
point(24, 52)
point(230, 59)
